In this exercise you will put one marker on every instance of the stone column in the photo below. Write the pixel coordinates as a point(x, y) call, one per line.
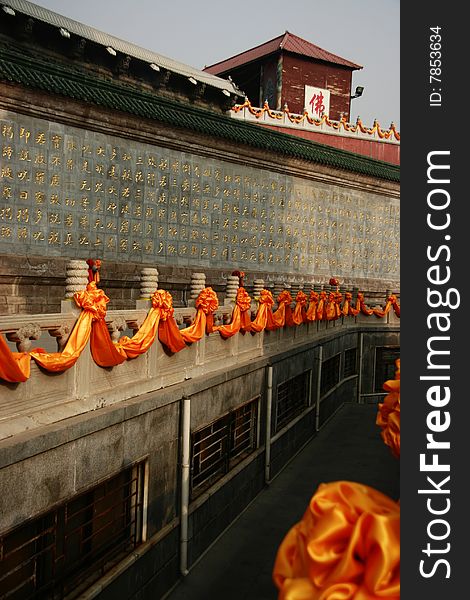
point(198, 283)
point(231, 288)
point(76, 281)
point(148, 282)
point(279, 286)
point(148, 285)
point(258, 285)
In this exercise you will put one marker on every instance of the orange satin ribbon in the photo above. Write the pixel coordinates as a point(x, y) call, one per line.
point(345, 547)
point(348, 309)
point(264, 309)
point(321, 307)
point(93, 304)
point(15, 367)
point(168, 332)
point(206, 303)
point(283, 313)
point(242, 306)
point(388, 417)
point(312, 307)
point(300, 314)
point(363, 307)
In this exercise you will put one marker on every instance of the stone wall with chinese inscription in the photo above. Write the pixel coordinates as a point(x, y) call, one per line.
point(76, 193)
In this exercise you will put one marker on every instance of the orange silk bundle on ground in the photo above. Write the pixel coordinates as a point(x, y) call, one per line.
point(388, 417)
point(345, 547)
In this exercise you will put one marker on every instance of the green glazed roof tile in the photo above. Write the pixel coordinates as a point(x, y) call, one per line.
point(88, 87)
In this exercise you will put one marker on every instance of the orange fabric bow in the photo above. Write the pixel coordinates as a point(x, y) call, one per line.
point(240, 316)
point(266, 302)
point(345, 547)
point(312, 307)
point(93, 302)
point(168, 332)
point(206, 303)
point(300, 315)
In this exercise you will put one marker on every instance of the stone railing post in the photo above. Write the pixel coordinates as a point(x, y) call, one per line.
point(148, 282)
point(76, 281)
point(279, 286)
point(197, 284)
point(258, 285)
point(148, 285)
point(231, 288)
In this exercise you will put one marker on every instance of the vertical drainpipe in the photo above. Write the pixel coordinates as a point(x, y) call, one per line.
point(269, 404)
point(317, 416)
point(279, 82)
point(186, 448)
point(359, 375)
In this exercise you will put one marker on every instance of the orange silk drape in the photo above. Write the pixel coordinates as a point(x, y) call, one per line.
point(15, 367)
point(300, 314)
point(283, 315)
point(388, 417)
point(104, 351)
point(348, 309)
point(240, 315)
point(364, 308)
point(264, 309)
point(321, 307)
point(168, 332)
point(312, 307)
point(391, 301)
point(159, 321)
point(346, 546)
point(93, 304)
point(206, 303)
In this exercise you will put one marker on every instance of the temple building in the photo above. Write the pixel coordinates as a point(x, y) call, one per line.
point(289, 70)
point(140, 198)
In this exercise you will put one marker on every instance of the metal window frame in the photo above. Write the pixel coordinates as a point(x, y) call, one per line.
point(280, 423)
point(375, 383)
point(231, 454)
point(66, 553)
point(356, 365)
point(324, 392)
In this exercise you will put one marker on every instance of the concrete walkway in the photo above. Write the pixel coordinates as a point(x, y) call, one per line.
point(239, 565)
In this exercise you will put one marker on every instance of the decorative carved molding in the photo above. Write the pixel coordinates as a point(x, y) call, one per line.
point(24, 335)
point(62, 334)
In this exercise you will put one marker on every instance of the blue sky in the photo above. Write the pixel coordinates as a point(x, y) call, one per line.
point(203, 32)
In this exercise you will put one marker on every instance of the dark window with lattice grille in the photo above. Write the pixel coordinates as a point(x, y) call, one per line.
point(64, 551)
point(350, 362)
point(218, 447)
point(329, 374)
point(385, 367)
point(292, 399)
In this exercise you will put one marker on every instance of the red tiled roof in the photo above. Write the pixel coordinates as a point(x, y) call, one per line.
point(288, 42)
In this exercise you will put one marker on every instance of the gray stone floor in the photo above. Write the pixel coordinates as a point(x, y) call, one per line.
point(239, 565)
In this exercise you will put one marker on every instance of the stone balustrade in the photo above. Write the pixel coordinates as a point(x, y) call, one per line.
point(46, 398)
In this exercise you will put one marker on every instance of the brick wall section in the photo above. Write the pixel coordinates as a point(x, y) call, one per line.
point(373, 149)
point(298, 72)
